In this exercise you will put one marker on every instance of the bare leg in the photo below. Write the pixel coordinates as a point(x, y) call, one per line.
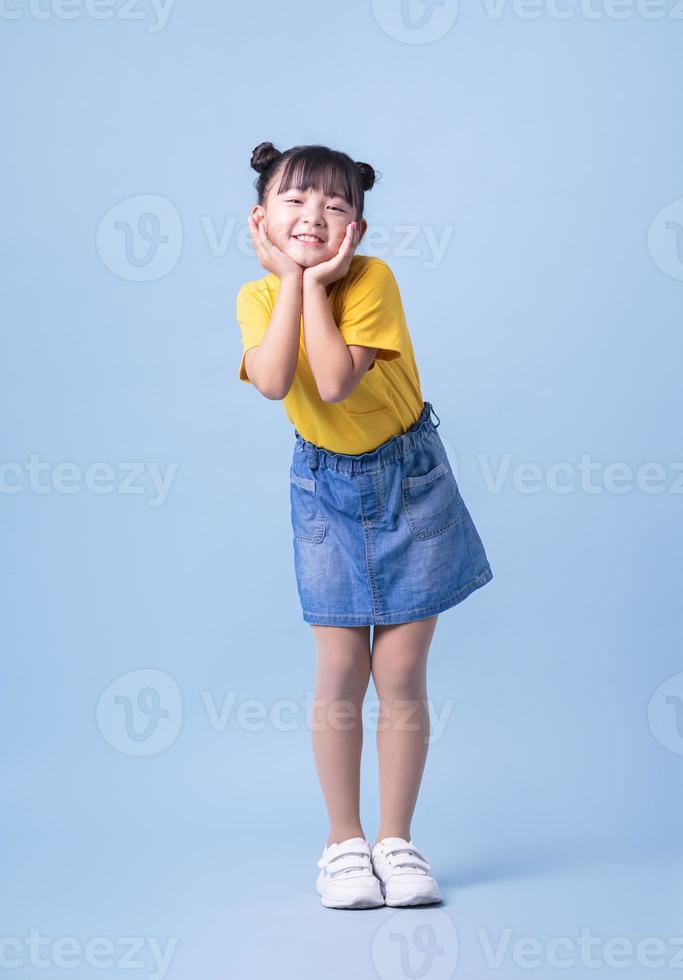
point(399, 671)
point(342, 677)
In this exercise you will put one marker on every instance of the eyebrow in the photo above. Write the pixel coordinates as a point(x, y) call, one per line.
point(332, 197)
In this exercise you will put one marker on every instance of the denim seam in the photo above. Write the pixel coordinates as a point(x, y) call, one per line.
point(374, 594)
point(378, 485)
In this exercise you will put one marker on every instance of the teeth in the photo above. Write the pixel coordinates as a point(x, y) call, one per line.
point(308, 238)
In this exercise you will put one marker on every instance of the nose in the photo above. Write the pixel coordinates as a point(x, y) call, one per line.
point(314, 217)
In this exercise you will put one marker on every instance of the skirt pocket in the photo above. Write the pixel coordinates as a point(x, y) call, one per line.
point(308, 521)
point(431, 502)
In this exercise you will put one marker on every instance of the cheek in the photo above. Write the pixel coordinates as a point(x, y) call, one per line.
point(277, 231)
point(337, 237)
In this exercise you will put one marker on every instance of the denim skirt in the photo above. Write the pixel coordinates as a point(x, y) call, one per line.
point(382, 537)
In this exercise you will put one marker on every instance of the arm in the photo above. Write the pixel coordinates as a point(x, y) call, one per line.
point(271, 366)
point(336, 366)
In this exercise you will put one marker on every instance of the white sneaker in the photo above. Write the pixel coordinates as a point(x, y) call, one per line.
point(403, 873)
point(346, 879)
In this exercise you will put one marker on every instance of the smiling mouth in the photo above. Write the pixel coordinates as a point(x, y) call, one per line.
point(308, 239)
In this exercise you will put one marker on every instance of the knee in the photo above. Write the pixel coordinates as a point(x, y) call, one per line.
point(340, 676)
point(400, 677)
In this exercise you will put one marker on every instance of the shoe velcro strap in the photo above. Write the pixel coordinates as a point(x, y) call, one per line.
point(413, 858)
point(345, 860)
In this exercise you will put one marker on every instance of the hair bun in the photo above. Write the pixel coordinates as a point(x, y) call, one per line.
point(367, 174)
point(263, 156)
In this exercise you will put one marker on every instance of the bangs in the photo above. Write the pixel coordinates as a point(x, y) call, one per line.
point(315, 169)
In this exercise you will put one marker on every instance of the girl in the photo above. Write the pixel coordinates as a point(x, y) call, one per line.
point(381, 535)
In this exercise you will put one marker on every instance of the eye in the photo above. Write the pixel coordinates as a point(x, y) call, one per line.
point(293, 200)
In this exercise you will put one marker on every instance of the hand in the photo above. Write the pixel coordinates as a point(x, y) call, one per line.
point(336, 267)
point(269, 255)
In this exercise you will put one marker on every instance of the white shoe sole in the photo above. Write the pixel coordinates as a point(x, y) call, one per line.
point(416, 898)
point(360, 901)
point(332, 903)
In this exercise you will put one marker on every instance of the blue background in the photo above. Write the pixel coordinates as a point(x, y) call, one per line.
point(548, 151)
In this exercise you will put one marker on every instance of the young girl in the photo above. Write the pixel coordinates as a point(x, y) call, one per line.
point(381, 534)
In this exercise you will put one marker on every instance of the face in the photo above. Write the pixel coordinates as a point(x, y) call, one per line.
point(307, 225)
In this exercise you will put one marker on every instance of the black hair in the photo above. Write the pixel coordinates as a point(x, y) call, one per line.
point(314, 166)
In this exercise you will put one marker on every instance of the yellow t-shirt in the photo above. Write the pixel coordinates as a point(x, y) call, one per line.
point(367, 308)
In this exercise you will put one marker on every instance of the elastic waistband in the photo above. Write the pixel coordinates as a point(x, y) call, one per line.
point(398, 447)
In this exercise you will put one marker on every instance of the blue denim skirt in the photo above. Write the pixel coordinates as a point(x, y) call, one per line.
point(382, 537)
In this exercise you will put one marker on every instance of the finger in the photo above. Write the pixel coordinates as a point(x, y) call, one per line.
point(255, 237)
point(264, 234)
point(353, 241)
point(263, 237)
point(347, 240)
point(255, 234)
point(260, 244)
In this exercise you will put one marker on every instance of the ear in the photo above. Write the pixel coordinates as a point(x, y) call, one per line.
point(258, 212)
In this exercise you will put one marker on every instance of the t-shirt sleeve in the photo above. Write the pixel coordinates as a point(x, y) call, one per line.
point(253, 315)
point(372, 314)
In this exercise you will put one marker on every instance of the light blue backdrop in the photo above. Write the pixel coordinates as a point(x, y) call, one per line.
point(160, 794)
